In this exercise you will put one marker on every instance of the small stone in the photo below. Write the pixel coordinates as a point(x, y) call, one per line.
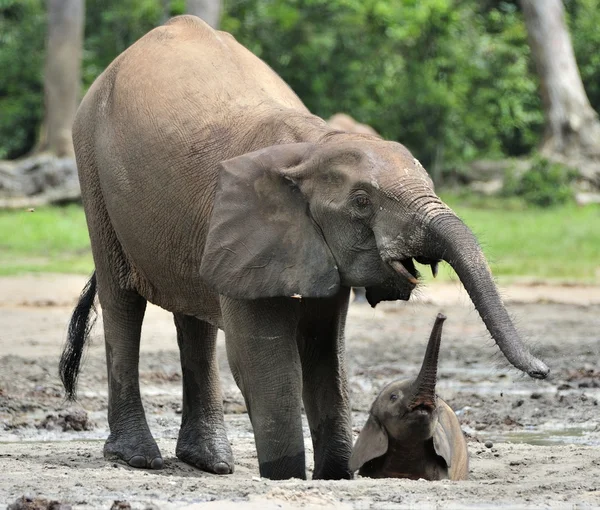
point(120, 505)
point(536, 396)
point(488, 444)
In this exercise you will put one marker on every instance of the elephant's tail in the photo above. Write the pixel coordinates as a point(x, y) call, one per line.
point(79, 330)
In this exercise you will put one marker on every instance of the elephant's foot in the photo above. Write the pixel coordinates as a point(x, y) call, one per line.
point(284, 468)
point(332, 442)
point(137, 452)
point(208, 453)
point(333, 470)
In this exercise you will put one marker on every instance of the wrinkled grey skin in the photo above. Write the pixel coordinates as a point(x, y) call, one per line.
point(411, 432)
point(211, 191)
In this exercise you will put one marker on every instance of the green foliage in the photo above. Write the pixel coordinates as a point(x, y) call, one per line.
point(447, 78)
point(545, 184)
point(584, 21)
point(111, 26)
point(451, 79)
point(22, 25)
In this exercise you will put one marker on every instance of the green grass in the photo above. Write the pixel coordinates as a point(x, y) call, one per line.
point(562, 243)
point(50, 239)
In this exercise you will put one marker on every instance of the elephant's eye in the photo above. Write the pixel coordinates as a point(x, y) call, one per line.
point(362, 201)
point(393, 397)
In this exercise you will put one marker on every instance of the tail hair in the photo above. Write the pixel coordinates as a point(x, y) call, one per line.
point(79, 329)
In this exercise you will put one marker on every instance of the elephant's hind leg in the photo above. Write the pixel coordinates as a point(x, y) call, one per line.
point(325, 385)
point(202, 438)
point(130, 438)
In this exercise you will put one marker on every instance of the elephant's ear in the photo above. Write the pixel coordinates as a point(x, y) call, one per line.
point(449, 442)
point(262, 241)
point(372, 442)
point(442, 435)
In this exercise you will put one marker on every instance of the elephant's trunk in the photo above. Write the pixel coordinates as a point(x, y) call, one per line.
point(457, 245)
point(424, 385)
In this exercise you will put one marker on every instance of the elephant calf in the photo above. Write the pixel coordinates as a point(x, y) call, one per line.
point(411, 432)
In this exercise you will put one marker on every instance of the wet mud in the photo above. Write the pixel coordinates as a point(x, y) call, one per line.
point(532, 444)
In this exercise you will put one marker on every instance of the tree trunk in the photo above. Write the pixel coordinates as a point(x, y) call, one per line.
point(208, 10)
point(62, 75)
point(572, 127)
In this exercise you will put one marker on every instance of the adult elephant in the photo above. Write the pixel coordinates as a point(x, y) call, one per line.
point(211, 191)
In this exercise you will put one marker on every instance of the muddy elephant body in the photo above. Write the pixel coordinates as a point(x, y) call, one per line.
point(211, 191)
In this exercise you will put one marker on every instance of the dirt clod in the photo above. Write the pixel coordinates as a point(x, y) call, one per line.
point(73, 419)
point(120, 505)
point(33, 503)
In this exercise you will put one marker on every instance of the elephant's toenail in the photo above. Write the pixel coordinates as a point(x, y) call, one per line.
point(137, 461)
point(222, 468)
point(157, 463)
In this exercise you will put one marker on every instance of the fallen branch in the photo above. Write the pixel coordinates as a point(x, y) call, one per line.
point(38, 180)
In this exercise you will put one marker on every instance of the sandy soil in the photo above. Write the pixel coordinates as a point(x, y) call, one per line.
point(545, 434)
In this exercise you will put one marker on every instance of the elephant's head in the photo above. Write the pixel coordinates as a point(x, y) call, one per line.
point(303, 219)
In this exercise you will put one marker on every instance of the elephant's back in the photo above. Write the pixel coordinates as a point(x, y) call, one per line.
point(185, 67)
point(149, 135)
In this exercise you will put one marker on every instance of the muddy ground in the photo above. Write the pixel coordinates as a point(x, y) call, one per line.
point(545, 434)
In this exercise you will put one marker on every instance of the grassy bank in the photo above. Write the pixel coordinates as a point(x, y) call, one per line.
point(50, 239)
point(559, 244)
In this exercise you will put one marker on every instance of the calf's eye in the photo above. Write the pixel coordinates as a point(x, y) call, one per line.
point(393, 397)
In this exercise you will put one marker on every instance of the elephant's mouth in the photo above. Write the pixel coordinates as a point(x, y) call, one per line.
point(406, 268)
point(422, 407)
point(405, 281)
point(401, 283)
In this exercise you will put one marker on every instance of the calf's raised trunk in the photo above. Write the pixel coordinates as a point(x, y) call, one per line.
point(424, 385)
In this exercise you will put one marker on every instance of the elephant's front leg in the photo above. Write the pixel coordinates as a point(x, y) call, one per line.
point(325, 388)
point(263, 355)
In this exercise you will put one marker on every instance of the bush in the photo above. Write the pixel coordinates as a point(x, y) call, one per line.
point(22, 31)
point(584, 18)
point(451, 79)
point(544, 184)
point(447, 78)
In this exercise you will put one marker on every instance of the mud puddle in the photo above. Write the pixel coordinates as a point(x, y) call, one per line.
point(552, 434)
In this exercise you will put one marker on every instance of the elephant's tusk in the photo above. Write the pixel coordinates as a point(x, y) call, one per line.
point(399, 268)
point(434, 269)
